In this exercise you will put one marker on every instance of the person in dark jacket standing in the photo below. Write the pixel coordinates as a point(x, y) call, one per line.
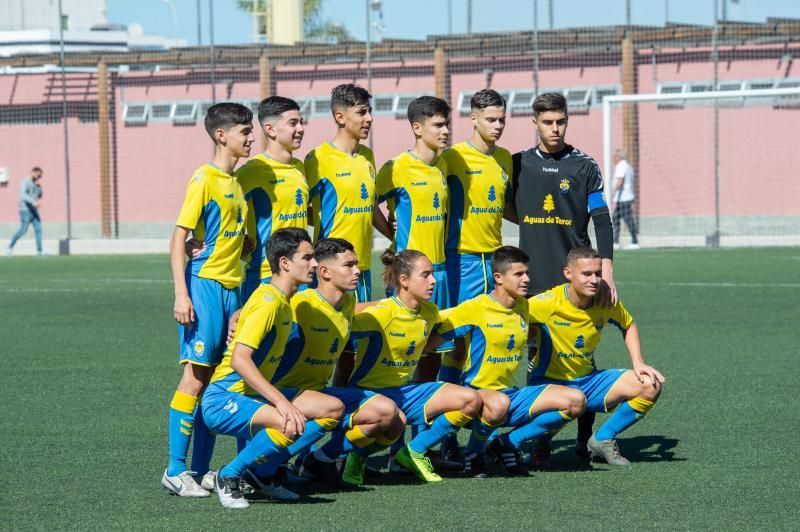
point(557, 188)
point(30, 194)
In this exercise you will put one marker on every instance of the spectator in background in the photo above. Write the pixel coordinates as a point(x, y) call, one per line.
point(3, 177)
point(30, 194)
point(622, 198)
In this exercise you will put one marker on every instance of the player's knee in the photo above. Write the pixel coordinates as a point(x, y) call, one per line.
point(650, 392)
point(384, 409)
point(495, 408)
point(193, 380)
point(333, 408)
point(472, 403)
point(577, 403)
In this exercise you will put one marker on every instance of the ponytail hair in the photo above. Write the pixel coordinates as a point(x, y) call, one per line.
point(397, 264)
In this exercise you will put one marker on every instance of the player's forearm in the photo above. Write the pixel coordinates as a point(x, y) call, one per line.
point(608, 270)
point(242, 363)
point(344, 368)
point(381, 223)
point(510, 213)
point(633, 345)
point(177, 249)
point(604, 232)
point(434, 341)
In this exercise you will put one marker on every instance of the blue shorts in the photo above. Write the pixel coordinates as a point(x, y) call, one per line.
point(203, 342)
point(353, 398)
point(522, 402)
point(469, 275)
point(232, 413)
point(412, 399)
point(595, 386)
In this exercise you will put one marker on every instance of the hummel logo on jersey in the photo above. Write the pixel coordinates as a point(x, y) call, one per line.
point(549, 170)
point(343, 174)
point(231, 407)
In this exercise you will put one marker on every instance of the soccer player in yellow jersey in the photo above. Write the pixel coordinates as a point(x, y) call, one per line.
point(274, 184)
point(478, 176)
point(323, 318)
point(391, 336)
point(207, 288)
point(240, 400)
point(495, 327)
point(341, 180)
point(570, 325)
point(414, 187)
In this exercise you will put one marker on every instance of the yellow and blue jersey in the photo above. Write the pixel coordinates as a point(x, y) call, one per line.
point(319, 336)
point(214, 209)
point(495, 337)
point(277, 198)
point(342, 191)
point(416, 192)
point(390, 338)
point(264, 325)
point(480, 187)
point(568, 335)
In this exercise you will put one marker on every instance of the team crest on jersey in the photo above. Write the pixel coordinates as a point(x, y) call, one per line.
point(599, 326)
point(269, 297)
point(548, 204)
point(199, 347)
point(579, 342)
point(504, 176)
point(371, 171)
point(523, 324)
point(563, 186)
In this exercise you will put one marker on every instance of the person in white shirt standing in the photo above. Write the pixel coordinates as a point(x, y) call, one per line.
point(622, 198)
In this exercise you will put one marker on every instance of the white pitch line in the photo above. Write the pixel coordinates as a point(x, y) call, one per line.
point(700, 284)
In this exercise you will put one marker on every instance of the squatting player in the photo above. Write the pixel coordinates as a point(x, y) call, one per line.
point(391, 337)
point(341, 180)
point(495, 326)
point(323, 319)
point(240, 400)
point(571, 323)
point(207, 290)
point(274, 184)
point(557, 188)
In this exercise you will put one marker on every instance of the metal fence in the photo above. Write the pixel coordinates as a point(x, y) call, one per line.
point(131, 123)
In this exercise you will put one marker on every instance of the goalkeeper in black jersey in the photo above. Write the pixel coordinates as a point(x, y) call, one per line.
point(557, 188)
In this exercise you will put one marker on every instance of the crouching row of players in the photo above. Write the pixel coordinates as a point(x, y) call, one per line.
point(271, 389)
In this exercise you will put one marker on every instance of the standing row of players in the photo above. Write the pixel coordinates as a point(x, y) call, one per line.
point(269, 389)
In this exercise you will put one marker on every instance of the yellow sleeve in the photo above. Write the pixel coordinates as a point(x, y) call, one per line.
point(194, 201)
point(385, 185)
point(505, 162)
point(456, 322)
point(256, 321)
point(541, 307)
point(620, 316)
point(312, 172)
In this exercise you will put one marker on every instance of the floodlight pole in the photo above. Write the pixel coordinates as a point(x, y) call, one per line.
point(199, 24)
point(64, 119)
point(714, 238)
point(213, 52)
point(368, 55)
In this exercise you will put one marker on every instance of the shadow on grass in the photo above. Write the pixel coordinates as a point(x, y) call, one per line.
point(652, 448)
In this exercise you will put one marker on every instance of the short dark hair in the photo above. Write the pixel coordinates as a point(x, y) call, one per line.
point(225, 115)
point(505, 256)
point(328, 248)
point(426, 107)
point(349, 95)
point(275, 106)
point(397, 264)
point(487, 98)
point(549, 101)
point(284, 243)
point(582, 252)
point(36, 169)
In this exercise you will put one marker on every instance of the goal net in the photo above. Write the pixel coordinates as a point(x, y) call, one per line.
point(712, 168)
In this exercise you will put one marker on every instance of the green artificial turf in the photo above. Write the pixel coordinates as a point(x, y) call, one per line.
point(89, 366)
